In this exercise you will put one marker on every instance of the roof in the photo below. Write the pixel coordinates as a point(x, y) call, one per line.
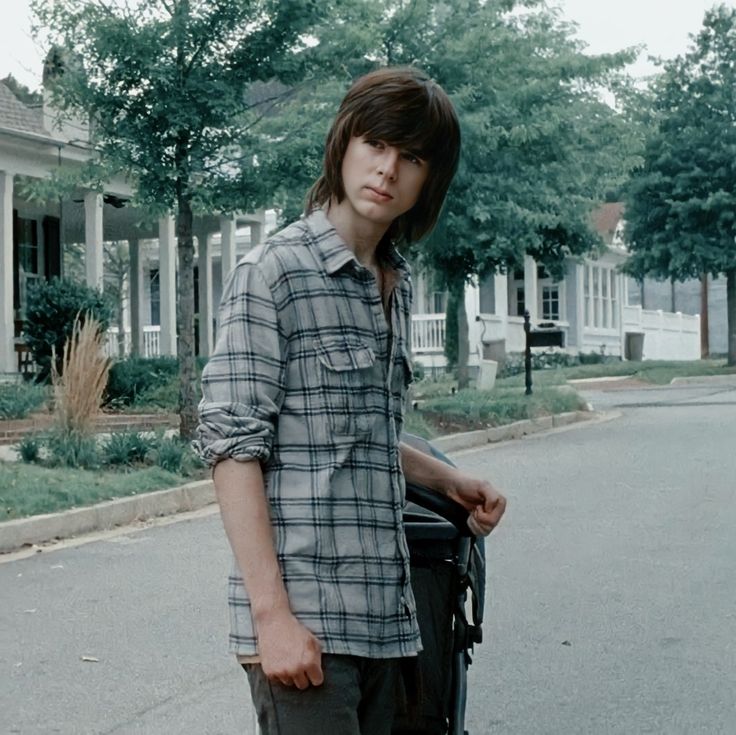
point(17, 116)
point(606, 220)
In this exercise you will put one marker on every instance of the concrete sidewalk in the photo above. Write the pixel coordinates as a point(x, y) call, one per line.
point(51, 527)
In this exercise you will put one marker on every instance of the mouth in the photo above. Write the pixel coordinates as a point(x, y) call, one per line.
point(379, 194)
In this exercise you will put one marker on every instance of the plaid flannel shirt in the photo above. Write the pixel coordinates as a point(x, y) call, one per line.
point(308, 378)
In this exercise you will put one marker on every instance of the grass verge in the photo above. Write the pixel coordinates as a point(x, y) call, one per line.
point(474, 409)
point(27, 490)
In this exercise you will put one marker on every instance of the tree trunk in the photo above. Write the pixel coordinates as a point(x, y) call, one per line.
point(704, 321)
point(731, 309)
point(463, 348)
point(185, 320)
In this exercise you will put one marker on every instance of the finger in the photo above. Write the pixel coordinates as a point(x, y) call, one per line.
point(301, 681)
point(314, 672)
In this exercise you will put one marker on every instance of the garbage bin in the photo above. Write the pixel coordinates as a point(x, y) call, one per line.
point(634, 346)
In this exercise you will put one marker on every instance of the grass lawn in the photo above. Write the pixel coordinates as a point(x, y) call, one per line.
point(27, 489)
point(473, 409)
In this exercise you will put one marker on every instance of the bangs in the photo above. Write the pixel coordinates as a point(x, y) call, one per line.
point(411, 127)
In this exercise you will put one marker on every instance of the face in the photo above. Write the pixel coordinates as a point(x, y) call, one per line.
point(381, 181)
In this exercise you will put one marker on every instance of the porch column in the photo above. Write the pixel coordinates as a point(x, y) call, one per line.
point(7, 317)
point(93, 238)
point(204, 262)
point(227, 236)
point(574, 303)
point(167, 284)
point(136, 298)
point(530, 288)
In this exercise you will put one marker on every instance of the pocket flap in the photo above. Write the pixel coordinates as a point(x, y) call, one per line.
point(341, 355)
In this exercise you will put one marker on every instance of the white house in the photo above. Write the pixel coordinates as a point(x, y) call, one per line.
point(33, 237)
point(591, 305)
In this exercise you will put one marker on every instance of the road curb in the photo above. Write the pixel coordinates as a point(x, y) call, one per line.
point(52, 527)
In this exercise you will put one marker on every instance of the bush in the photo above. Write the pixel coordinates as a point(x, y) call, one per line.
point(17, 401)
point(29, 448)
point(174, 455)
point(72, 449)
point(514, 363)
point(53, 307)
point(135, 376)
point(126, 448)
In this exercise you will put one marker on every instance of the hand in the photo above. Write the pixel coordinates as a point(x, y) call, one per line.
point(289, 652)
point(484, 503)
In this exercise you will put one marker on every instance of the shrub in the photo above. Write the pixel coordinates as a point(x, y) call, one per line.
point(126, 448)
point(17, 401)
point(134, 376)
point(53, 309)
point(174, 455)
point(29, 448)
point(72, 449)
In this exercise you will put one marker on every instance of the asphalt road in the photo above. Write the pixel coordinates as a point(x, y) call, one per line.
point(612, 596)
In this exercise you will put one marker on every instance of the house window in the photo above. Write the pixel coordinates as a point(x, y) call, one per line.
point(155, 283)
point(520, 305)
point(600, 294)
point(26, 233)
point(487, 296)
point(551, 303)
point(438, 302)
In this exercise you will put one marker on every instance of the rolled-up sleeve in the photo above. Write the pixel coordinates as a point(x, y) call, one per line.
point(243, 382)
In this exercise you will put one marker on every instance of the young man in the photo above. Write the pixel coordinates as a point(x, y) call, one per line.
point(302, 413)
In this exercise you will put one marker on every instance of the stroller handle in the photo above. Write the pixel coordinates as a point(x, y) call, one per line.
point(441, 505)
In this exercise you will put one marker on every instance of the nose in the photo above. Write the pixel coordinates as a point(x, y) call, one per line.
point(388, 165)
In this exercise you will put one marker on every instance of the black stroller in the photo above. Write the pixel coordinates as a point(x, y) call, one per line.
point(448, 578)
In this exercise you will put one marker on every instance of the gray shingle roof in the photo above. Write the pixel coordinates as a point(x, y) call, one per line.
point(15, 115)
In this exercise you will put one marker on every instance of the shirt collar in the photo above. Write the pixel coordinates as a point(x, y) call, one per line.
point(333, 251)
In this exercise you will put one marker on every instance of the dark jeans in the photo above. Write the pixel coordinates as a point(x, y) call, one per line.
point(358, 697)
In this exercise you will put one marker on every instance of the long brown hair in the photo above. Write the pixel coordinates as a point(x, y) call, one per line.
point(403, 107)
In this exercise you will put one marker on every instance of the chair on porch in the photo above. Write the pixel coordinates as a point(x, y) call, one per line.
point(25, 363)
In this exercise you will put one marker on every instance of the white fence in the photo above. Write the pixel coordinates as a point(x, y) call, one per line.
point(151, 342)
point(427, 333)
point(667, 336)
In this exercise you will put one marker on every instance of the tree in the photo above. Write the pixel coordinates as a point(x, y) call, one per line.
point(23, 93)
point(681, 202)
point(166, 87)
point(540, 147)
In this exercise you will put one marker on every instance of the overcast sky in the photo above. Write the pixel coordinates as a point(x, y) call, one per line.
point(605, 25)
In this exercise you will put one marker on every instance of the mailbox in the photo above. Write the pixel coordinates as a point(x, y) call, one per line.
point(545, 335)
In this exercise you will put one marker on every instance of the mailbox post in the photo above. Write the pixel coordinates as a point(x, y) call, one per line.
point(541, 337)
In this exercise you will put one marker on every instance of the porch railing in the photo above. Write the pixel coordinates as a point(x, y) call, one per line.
point(151, 342)
point(427, 333)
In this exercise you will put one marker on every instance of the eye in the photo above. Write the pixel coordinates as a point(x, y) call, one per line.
point(412, 158)
point(373, 143)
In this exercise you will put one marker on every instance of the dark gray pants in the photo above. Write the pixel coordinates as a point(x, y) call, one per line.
point(358, 697)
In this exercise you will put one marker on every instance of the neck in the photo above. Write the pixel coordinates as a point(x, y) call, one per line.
point(361, 236)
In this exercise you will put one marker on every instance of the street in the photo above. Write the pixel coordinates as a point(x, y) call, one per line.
point(611, 595)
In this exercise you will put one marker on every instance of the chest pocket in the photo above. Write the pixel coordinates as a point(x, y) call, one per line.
point(346, 377)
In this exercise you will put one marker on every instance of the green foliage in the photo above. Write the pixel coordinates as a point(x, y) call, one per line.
point(174, 455)
point(52, 309)
point(125, 448)
point(17, 401)
point(134, 376)
point(72, 449)
point(681, 203)
point(24, 94)
point(451, 331)
point(29, 448)
point(476, 409)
